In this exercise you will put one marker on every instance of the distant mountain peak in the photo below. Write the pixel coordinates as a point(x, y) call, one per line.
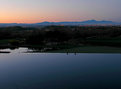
point(93, 20)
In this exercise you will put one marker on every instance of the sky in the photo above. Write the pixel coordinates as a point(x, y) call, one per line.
point(34, 11)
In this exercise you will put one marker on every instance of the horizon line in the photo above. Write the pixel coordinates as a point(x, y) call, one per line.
point(58, 21)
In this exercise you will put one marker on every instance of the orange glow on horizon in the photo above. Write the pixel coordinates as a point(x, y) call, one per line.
point(35, 20)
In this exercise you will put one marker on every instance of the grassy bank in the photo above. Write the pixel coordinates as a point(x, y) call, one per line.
point(89, 49)
point(65, 48)
point(4, 41)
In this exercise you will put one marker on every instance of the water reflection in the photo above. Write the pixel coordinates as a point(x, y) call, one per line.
point(26, 50)
point(19, 70)
point(16, 50)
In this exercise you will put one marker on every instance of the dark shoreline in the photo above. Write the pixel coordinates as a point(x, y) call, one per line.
point(5, 52)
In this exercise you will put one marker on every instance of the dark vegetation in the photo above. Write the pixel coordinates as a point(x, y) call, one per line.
point(60, 37)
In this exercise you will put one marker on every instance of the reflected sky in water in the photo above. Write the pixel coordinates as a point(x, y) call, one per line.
point(59, 71)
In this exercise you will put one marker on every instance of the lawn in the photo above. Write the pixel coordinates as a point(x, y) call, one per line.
point(89, 49)
point(6, 41)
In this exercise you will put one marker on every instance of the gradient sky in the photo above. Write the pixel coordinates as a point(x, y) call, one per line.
point(32, 11)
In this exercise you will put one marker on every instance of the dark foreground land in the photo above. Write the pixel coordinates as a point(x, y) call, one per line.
point(76, 39)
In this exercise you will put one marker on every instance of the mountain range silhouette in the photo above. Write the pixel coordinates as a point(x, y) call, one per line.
point(88, 22)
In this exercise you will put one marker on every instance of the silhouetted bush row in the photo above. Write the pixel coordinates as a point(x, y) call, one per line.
point(54, 35)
